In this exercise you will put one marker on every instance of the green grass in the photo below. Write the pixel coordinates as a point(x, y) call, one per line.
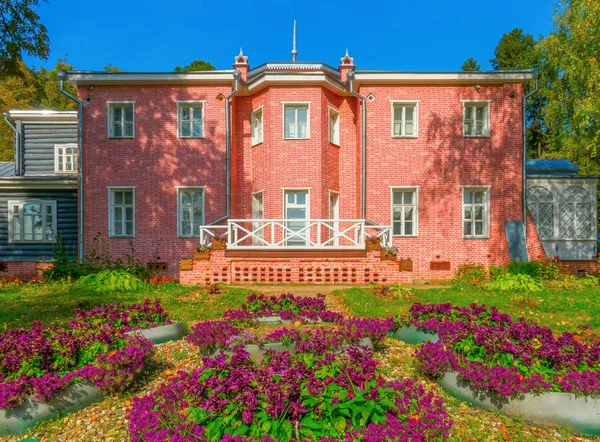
point(559, 307)
point(55, 303)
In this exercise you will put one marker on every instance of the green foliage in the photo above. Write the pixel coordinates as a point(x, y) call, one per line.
point(196, 65)
point(22, 34)
point(540, 269)
point(470, 64)
point(470, 275)
point(109, 67)
point(110, 280)
point(515, 282)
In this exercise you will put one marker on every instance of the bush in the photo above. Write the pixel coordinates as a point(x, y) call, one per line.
point(470, 275)
point(531, 268)
point(516, 283)
point(110, 280)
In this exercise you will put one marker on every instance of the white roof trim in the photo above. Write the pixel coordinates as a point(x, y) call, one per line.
point(43, 116)
point(98, 78)
point(445, 77)
point(261, 81)
point(28, 183)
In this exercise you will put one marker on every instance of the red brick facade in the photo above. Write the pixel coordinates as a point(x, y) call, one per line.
point(438, 162)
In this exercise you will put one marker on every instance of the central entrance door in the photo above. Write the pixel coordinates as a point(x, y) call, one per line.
point(296, 208)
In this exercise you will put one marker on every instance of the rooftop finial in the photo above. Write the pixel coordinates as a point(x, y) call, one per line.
point(294, 51)
point(346, 52)
point(241, 53)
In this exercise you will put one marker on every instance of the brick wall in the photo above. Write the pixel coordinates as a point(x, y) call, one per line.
point(25, 270)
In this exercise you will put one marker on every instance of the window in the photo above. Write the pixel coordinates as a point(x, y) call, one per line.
point(120, 120)
point(476, 208)
point(404, 212)
point(190, 203)
point(405, 120)
point(334, 127)
point(575, 214)
point(476, 119)
point(66, 158)
point(121, 212)
point(31, 220)
point(296, 121)
point(257, 126)
point(540, 204)
point(191, 120)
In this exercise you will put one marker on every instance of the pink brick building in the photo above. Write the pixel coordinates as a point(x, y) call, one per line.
point(278, 162)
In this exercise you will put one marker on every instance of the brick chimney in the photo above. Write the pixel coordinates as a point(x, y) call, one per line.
point(346, 65)
point(241, 64)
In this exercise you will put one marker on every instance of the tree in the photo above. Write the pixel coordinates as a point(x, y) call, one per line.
point(470, 65)
point(196, 65)
point(111, 68)
point(20, 33)
point(50, 96)
point(515, 50)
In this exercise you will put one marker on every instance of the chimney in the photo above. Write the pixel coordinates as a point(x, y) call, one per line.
point(346, 65)
point(240, 63)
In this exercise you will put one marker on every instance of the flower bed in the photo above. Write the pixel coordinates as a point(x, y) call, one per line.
point(491, 352)
point(46, 360)
point(281, 308)
point(305, 396)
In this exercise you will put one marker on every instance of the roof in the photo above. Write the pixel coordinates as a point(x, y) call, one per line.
point(562, 168)
point(43, 115)
point(7, 169)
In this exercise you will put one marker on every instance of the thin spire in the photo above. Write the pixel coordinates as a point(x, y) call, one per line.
point(294, 51)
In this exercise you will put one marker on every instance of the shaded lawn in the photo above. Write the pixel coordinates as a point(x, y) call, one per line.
point(55, 303)
point(557, 307)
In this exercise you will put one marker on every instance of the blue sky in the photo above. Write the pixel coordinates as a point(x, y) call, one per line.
point(434, 35)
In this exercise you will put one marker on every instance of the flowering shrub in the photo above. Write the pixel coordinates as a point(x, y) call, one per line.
point(155, 280)
point(494, 352)
point(286, 306)
point(300, 397)
point(212, 335)
point(45, 360)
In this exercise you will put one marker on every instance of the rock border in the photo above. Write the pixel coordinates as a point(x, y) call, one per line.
point(161, 333)
point(268, 320)
point(579, 413)
point(16, 421)
point(413, 335)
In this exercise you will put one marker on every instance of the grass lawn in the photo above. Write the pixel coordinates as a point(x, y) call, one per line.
point(55, 303)
point(558, 307)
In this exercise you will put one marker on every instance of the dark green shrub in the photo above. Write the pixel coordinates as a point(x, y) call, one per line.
point(110, 280)
point(531, 268)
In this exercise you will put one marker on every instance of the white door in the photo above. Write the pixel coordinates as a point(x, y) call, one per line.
point(258, 212)
point(334, 213)
point(297, 209)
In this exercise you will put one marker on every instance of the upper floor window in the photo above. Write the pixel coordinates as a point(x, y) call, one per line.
point(190, 119)
point(476, 212)
point(190, 205)
point(296, 121)
point(121, 211)
point(31, 221)
point(334, 127)
point(120, 120)
point(405, 119)
point(66, 158)
point(257, 126)
point(476, 119)
point(404, 212)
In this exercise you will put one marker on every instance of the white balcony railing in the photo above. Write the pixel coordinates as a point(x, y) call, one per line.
point(340, 234)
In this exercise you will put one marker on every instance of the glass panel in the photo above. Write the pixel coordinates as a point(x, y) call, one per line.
point(117, 114)
point(468, 113)
point(468, 226)
point(408, 213)
point(128, 130)
point(398, 197)
point(291, 197)
point(478, 197)
point(186, 198)
point(129, 213)
point(479, 228)
point(397, 229)
point(118, 214)
point(302, 115)
point(409, 129)
point(186, 214)
point(479, 213)
point(129, 228)
point(197, 197)
point(16, 227)
point(408, 197)
point(468, 127)
point(408, 228)
point(117, 129)
point(302, 131)
point(118, 197)
point(409, 113)
point(468, 213)
point(118, 228)
point(397, 129)
point(129, 113)
point(197, 214)
point(27, 228)
point(37, 227)
point(185, 113)
point(397, 213)
point(186, 129)
point(397, 114)
point(197, 228)
point(290, 130)
point(128, 197)
point(296, 213)
point(186, 229)
point(197, 114)
point(197, 129)
point(301, 198)
point(32, 209)
point(467, 197)
point(479, 112)
point(479, 129)
point(290, 115)
point(49, 230)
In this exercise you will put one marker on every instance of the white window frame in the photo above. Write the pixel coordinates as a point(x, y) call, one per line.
point(110, 105)
point(180, 208)
point(191, 104)
point(415, 191)
point(334, 129)
point(21, 203)
point(405, 103)
point(487, 211)
point(253, 119)
point(306, 104)
point(486, 117)
point(111, 190)
point(255, 225)
point(75, 164)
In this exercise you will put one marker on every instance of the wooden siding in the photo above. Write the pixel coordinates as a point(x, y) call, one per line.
point(38, 145)
point(66, 223)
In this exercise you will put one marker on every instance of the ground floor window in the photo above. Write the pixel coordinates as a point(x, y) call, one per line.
point(404, 212)
point(32, 220)
point(190, 210)
point(121, 211)
point(476, 212)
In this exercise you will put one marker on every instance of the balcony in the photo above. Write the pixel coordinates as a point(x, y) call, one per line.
point(296, 234)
